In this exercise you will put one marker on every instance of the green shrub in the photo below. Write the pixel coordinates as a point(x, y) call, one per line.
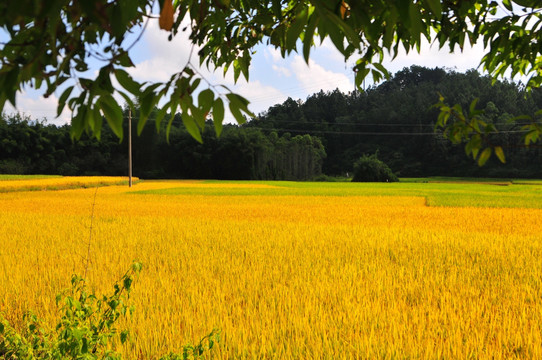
point(324, 178)
point(86, 329)
point(370, 169)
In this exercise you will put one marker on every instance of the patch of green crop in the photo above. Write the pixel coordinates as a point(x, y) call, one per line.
point(26, 177)
point(460, 193)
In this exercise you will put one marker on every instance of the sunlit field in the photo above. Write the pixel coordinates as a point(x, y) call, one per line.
point(52, 182)
point(292, 270)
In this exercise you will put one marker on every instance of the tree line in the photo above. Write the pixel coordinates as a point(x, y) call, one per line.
point(34, 147)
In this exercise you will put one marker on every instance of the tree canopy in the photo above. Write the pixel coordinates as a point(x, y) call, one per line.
point(51, 42)
point(397, 119)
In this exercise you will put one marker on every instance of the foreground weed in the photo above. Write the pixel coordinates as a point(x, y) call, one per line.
point(87, 328)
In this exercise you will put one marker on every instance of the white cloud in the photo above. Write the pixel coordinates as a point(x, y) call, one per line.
point(327, 49)
point(156, 43)
point(155, 69)
point(261, 96)
point(281, 70)
point(315, 77)
point(274, 54)
point(432, 56)
point(163, 57)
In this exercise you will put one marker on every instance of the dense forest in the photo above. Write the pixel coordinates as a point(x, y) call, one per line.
point(397, 119)
point(299, 140)
point(34, 147)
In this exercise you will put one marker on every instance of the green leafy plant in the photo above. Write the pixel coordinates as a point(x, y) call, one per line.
point(87, 327)
point(370, 169)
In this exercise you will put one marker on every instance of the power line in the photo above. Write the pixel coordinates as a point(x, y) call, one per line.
point(357, 124)
point(374, 133)
point(369, 133)
point(365, 124)
point(24, 111)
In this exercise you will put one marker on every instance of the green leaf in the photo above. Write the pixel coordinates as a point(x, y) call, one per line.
point(198, 115)
point(436, 7)
point(205, 99)
point(194, 85)
point(10, 84)
point(84, 346)
point(484, 156)
point(93, 119)
point(159, 116)
point(295, 29)
point(236, 70)
point(403, 8)
point(240, 103)
point(147, 100)
point(78, 334)
point(136, 267)
point(191, 126)
point(416, 27)
point(308, 37)
point(124, 59)
point(474, 145)
point(500, 154)
point(531, 136)
point(127, 282)
point(168, 128)
point(124, 336)
point(508, 5)
point(387, 39)
point(276, 7)
point(361, 74)
point(234, 109)
point(97, 120)
point(340, 28)
point(113, 114)
point(102, 84)
point(113, 304)
point(244, 64)
point(126, 98)
point(382, 69)
point(376, 76)
point(78, 123)
point(337, 37)
point(126, 81)
point(62, 100)
point(218, 115)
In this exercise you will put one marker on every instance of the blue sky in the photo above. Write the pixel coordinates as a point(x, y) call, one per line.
point(272, 78)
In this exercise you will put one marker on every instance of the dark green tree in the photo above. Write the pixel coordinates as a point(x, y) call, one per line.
point(369, 169)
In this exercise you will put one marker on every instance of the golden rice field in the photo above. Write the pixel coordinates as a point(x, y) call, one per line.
point(40, 182)
point(292, 270)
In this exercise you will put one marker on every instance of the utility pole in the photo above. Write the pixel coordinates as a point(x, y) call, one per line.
point(129, 147)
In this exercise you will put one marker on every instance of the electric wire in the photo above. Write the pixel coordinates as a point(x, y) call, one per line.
point(359, 133)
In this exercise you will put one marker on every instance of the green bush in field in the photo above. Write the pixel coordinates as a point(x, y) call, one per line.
point(87, 328)
point(370, 169)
